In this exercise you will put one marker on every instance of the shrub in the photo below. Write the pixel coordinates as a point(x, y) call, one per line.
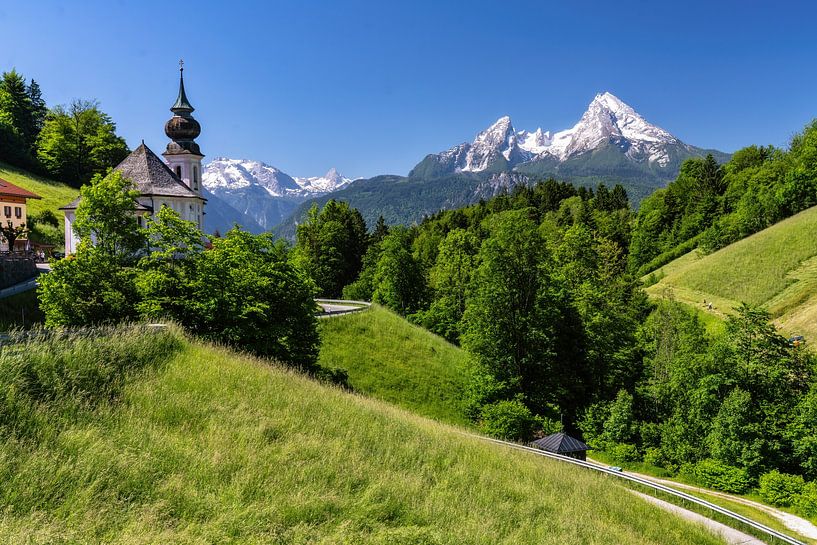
point(806, 500)
point(592, 424)
point(507, 419)
point(334, 375)
point(623, 452)
point(483, 389)
point(655, 456)
point(549, 425)
point(780, 488)
point(720, 476)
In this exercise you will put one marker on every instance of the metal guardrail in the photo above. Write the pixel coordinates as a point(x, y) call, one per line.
point(361, 305)
point(763, 529)
point(344, 302)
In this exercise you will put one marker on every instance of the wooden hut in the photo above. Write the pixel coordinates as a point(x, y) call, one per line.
point(562, 443)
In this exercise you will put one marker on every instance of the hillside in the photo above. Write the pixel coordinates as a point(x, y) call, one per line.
point(211, 447)
point(388, 358)
point(54, 194)
point(775, 268)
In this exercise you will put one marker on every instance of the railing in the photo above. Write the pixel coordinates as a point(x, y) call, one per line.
point(756, 526)
point(362, 305)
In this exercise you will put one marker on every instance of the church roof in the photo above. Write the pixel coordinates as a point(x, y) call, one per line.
point(152, 176)
point(560, 443)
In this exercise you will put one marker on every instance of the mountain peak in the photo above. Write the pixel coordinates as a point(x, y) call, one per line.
point(331, 181)
point(497, 141)
point(608, 120)
point(611, 102)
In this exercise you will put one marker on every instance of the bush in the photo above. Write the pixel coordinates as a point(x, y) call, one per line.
point(623, 452)
point(548, 425)
point(48, 376)
point(780, 489)
point(719, 476)
point(507, 419)
point(655, 457)
point(483, 389)
point(664, 258)
point(806, 500)
point(334, 375)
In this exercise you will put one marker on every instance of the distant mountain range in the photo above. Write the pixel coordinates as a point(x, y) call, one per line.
point(256, 195)
point(611, 143)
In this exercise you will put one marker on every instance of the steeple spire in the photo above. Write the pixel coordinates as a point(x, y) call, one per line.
point(182, 128)
point(182, 106)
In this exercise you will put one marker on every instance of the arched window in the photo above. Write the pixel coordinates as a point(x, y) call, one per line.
point(179, 171)
point(195, 177)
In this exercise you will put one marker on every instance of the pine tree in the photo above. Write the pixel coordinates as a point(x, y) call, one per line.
point(17, 131)
point(37, 113)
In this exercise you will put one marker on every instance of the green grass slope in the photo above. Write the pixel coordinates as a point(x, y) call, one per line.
point(54, 194)
point(390, 359)
point(775, 268)
point(212, 447)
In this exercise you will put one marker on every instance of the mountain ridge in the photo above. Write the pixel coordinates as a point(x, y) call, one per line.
point(259, 196)
point(607, 121)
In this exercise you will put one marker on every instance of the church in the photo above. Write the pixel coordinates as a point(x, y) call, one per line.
point(175, 182)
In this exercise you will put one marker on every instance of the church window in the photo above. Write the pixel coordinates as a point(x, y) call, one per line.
point(179, 171)
point(195, 177)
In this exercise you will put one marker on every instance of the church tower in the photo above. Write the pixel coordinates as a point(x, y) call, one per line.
point(183, 155)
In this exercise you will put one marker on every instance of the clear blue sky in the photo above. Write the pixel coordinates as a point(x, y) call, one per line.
point(371, 87)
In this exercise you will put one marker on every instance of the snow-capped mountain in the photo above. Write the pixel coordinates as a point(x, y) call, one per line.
point(232, 174)
point(260, 193)
point(608, 121)
point(329, 182)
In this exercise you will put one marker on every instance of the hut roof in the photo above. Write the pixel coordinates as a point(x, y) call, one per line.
point(559, 443)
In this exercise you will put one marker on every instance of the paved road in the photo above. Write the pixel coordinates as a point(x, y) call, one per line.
point(797, 524)
point(25, 285)
point(729, 535)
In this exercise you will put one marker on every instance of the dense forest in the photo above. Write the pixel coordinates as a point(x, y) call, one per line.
point(541, 287)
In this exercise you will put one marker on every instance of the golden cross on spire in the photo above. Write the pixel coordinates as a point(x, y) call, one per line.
point(181, 65)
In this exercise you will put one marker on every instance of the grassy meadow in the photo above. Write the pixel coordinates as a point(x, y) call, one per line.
point(390, 359)
point(54, 194)
point(171, 441)
point(775, 268)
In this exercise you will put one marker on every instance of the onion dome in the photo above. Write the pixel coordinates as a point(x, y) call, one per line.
point(182, 129)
